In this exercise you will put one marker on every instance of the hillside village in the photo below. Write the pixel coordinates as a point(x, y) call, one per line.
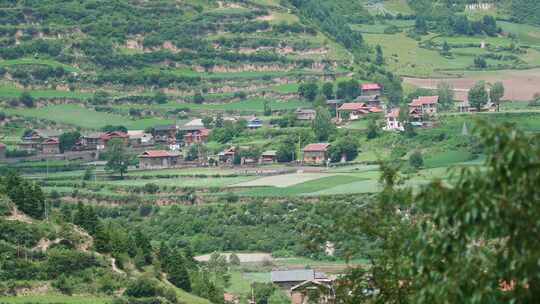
point(269, 152)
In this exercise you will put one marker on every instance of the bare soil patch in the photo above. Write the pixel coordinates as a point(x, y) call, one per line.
point(520, 85)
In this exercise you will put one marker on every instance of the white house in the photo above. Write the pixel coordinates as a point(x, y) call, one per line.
point(392, 121)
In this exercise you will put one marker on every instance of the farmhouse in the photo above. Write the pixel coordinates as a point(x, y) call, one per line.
point(321, 289)
point(463, 106)
point(228, 155)
point(355, 111)
point(105, 138)
point(371, 89)
point(197, 136)
point(163, 133)
point(423, 106)
point(2, 151)
point(31, 141)
point(316, 153)
point(392, 121)
point(158, 159)
point(305, 114)
point(287, 279)
point(371, 100)
point(268, 157)
point(139, 138)
point(90, 141)
point(50, 146)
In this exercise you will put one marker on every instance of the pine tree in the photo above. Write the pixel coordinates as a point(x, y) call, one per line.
point(177, 272)
point(102, 239)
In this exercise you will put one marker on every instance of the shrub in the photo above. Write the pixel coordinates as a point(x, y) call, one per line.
point(142, 287)
point(416, 160)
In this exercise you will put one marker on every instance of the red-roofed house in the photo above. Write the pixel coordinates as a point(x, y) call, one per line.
point(105, 138)
point(371, 89)
point(355, 110)
point(392, 121)
point(158, 159)
point(2, 151)
point(50, 146)
point(196, 137)
point(423, 105)
point(227, 156)
point(316, 153)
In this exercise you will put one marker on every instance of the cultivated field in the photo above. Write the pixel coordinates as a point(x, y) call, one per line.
point(519, 84)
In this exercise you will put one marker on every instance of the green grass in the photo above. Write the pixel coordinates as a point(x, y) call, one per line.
point(304, 188)
point(77, 115)
point(527, 34)
point(13, 92)
point(398, 6)
point(33, 61)
point(55, 299)
point(446, 158)
point(184, 182)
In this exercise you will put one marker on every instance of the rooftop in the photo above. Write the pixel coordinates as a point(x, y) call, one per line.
point(157, 154)
point(316, 147)
point(424, 100)
point(300, 275)
point(371, 86)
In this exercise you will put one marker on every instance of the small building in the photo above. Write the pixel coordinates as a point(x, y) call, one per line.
point(50, 146)
point(287, 279)
point(371, 100)
point(196, 137)
point(424, 105)
point(90, 141)
point(227, 156)
point(105, 138)
point(3, 149)
point(31, 141)
point(158, 159)
point(321, 289)
point(392, 121)
point(164, 133)
point(139, 138)
point(316, 153)
point(355, 111)
point(305, 114)
point(254, 123)
point(268, 157)
point(371, 89)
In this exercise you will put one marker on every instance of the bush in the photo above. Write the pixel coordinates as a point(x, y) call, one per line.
point(63, 284)
point(416, 160)
point(142, 287)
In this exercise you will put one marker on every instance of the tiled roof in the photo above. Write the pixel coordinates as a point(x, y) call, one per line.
point(371, 86)
point(156, 153)
point(51, 141)
point(269, 153)
point(316, 147)
point(423, 100)
point(353, 106)
point(114, 134)
point(394, 113)
point(300, 275)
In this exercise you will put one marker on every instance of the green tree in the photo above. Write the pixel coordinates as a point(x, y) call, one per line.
point(308, 90)
point(379, 60)
point(372, 129)
point(198, 98)
point(177, 273)
point(346, 147)
point(478, 96)
point(68, 140)
point(160, 98)
point(26, 99)
point(416, 160)
point(322, 125)
point(328, 90)
point(234, 259)
point(496, 93)
point(267, 108)
point(117, 158)
point(27, 196)
point(445, 91)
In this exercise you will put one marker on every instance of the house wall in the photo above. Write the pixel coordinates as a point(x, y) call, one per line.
point(50, 149)
point(315, 157)
point(157, 162)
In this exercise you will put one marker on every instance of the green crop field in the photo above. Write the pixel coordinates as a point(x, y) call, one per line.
point(185, 182)
point(13, 92)
point(55, 299)
point(33, 61)
point(80, 116)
